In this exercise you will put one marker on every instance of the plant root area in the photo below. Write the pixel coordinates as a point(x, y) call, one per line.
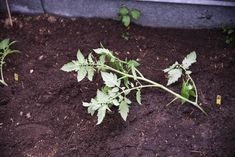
point(41, 113)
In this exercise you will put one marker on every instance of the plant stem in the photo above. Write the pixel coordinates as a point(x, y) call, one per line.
point(9, 13)
point(192, 81)
point(158, 85)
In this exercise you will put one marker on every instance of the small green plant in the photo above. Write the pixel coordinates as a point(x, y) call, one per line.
point(122, 77)
point(228, 35)
point(5, 50)
point(126, 16)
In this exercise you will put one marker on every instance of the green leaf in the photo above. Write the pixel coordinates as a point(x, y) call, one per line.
point(92, 106)
point(126, 82)
point(101, 51)
point(124, 110)
point(189, 60)
point(80, 57)
point(81, 74)
point(133, 63)
point(138, 96)
point(90, 72)
point(123, 11)
point(4, 44)
point(69, 67)
point(110, 79)
point(128, 101)
point(173, 76)
point(192, 93)
point(101, 113)
point(135, 14)
point(134, 72)
point(115, 102)
point(171, 67)
point(126, 20)
point(102, 97)
point(115, 90)
point(184, 92)
point(90, 60)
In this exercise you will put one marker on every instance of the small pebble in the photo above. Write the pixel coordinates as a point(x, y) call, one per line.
point(16, 77)
point(28, 115)
point(51, 19)
point(40, 57)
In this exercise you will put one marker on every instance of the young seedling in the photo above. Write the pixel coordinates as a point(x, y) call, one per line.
point(126, 16)
point(122, 77)
point(229, 35)
point(5, 50)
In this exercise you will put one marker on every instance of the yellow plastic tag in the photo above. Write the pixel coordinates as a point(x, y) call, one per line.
point(218, 100)
point(16, 77)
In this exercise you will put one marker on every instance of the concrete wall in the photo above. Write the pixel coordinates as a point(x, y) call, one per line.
point(157, 13)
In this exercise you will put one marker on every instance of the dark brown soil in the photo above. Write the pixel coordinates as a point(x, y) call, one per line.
point(41, 115)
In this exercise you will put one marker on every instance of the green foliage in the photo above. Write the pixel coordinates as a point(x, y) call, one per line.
point(177, 71)
point(126, 16)
point(228, 35)
point(5, 50)
point(83, 67)
point(121, 77)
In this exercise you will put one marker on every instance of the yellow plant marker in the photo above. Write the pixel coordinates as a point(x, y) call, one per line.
point(16, 77)
point(218, 100)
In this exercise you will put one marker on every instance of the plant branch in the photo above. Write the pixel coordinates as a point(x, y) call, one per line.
point(9, 13)
point(158, 85)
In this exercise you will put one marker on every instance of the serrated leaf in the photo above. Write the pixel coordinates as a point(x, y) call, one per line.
point(128, 101)
point(110, 79)
point(114, 90)
point(126, 82)
point(135, 14)
point(123, 11)
point(90, 110)
point(81, 74)
point(173, 76)
point(124, 110)
point(80, 57)
point(101, 51)
point(127, 92)
point(189, 60)
point(102, 97)
point(138, 96)
point(126, 20)
point(115, 102)
point(171, 67)
point(90, 72)
point(133, 63)
point(90, 60)
point(134, 73)
point(101, 113)
point(69, 67)
point(4, 44)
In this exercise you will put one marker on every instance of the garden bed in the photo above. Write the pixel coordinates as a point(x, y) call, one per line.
point(42, 115)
